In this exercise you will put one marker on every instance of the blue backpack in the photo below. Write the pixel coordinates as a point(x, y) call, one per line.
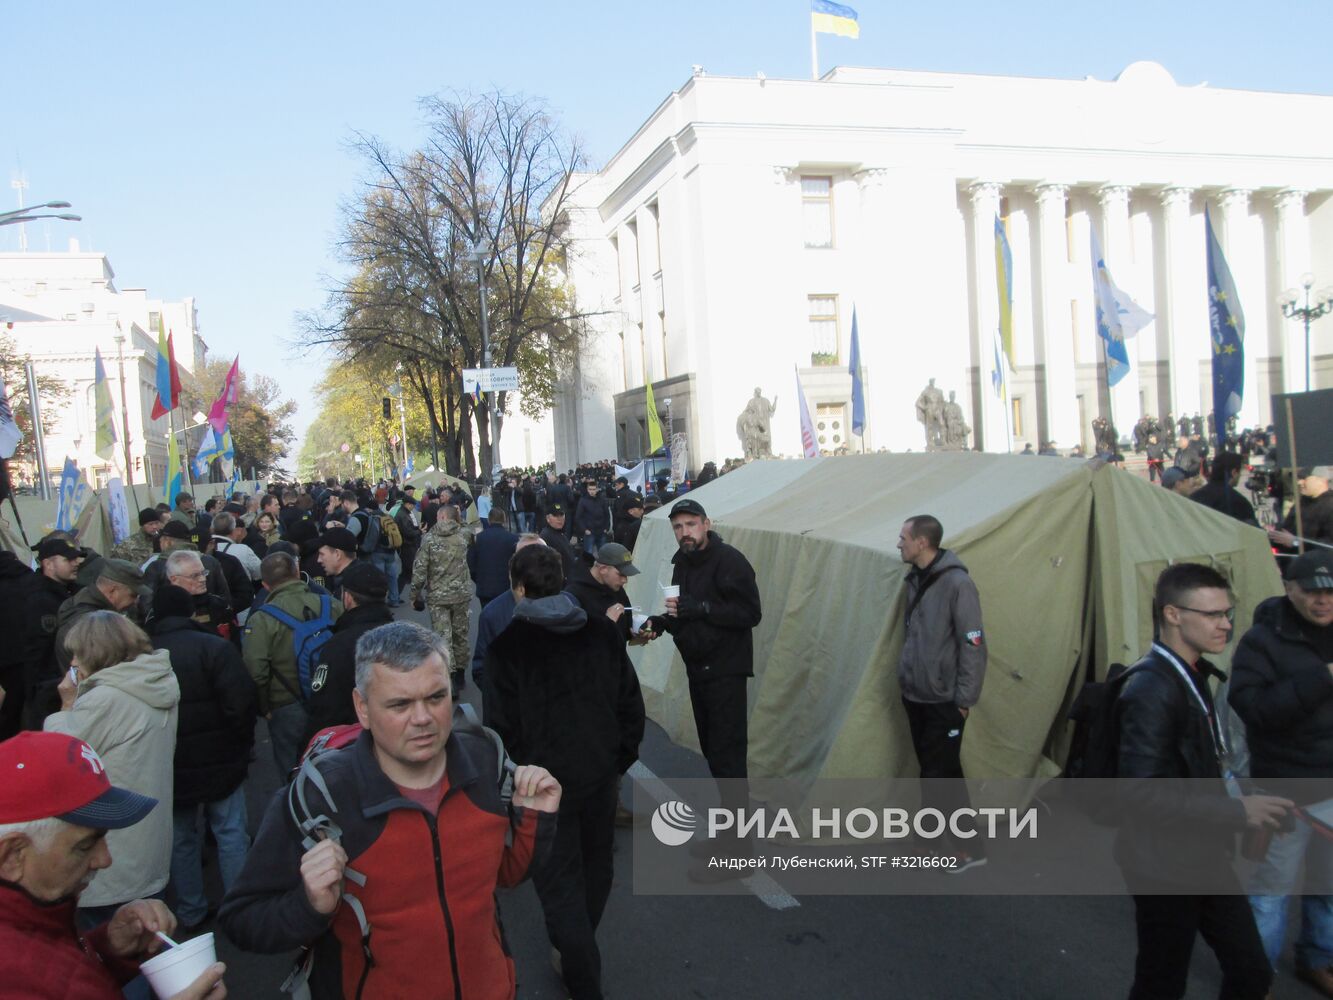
point(309, 636)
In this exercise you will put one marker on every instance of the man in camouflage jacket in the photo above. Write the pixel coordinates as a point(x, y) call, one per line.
point(441, 572)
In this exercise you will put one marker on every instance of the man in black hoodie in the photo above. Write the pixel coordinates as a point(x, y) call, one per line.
point(563, 691)
point(58, 562)
point(215, 732)
point(1282, 688)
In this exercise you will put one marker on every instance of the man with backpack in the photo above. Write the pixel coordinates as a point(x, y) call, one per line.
point(281, 645)
point(420, 803)
point(378, 539)
point(1176, 837)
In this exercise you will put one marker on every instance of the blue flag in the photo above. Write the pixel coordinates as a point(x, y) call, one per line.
point(858, 390)
point(1118, 316)
point(1226, 324)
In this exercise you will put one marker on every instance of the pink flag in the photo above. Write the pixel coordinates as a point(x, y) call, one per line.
point(217, 416)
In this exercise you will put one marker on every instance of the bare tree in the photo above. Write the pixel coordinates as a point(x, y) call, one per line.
point(495, 172)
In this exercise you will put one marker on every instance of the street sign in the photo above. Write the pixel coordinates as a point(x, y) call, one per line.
point(490, 379)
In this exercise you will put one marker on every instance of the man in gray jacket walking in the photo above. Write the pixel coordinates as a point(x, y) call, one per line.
point(940, 673)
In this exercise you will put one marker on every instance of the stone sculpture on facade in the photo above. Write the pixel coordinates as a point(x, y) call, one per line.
point(755, 426)
point(930, 414)
point(955, 427)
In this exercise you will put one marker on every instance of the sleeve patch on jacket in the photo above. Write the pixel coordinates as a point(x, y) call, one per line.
point(974, 638)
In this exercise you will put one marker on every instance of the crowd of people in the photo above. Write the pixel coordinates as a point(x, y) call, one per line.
point(130, 708)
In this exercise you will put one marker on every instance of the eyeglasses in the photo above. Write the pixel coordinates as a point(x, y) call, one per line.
point(1229, 613)
point(201, 575)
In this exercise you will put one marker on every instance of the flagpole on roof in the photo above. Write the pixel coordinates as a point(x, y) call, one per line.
point(814, 52)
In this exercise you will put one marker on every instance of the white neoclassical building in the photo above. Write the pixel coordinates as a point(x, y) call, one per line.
point(74, 309)
point(725, 246)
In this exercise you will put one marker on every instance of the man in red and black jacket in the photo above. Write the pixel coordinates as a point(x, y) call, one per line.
point(425, 840)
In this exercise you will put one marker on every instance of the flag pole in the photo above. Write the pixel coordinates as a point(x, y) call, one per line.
point(814, 52)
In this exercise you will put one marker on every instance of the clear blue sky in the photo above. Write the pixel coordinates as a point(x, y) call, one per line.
point(205, 145)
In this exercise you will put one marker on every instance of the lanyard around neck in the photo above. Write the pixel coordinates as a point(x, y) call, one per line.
point(1220, 747)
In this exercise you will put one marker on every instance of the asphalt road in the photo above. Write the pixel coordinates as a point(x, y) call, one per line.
point(838, 948)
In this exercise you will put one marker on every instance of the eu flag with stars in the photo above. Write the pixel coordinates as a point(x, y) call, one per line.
point(1226, 323)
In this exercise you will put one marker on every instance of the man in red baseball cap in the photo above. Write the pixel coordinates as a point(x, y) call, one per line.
point(56, 804)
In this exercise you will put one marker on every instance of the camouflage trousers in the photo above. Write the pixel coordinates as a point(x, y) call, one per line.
point(451, 622)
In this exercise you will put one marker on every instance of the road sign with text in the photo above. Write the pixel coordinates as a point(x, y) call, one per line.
point(490, 379)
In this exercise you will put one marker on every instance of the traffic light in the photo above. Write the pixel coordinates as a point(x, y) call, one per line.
point(388, 408)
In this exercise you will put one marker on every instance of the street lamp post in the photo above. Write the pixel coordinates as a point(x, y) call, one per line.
point(38, 442)
point(397, 390)
point(480, 251)
point(1306, 313)
point(31, 213)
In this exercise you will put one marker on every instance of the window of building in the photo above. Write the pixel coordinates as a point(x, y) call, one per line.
point(1016, 419)
point(817, 211)
point(154, 322)
point(823, 330)
point(620, 265)
point(1004, 213)
point(831, 425)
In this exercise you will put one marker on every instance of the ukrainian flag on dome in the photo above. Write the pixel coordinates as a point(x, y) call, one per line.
point(833, 19)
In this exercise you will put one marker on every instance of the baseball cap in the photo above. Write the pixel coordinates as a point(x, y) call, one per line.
point(366, 581)
point(46, 775)
point(687, 506)
point(176, 529)
point(49, 547)
point(617, 556)
point(556, 508)
point(125, 573)
point(1312, 571)
point(338, 538)
point(1319, 472)
point(1172, 477)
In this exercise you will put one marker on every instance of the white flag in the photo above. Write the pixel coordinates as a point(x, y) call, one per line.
point(635, 475)
point(10, 435)
point(809, 443)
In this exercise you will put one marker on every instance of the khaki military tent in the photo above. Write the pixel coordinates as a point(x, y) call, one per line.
point(1064, 553)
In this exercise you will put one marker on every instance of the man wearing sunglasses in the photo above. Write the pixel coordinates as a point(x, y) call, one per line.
point(1176, 838)
point(1282, 688)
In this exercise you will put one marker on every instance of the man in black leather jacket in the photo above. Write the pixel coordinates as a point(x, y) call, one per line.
point(1176, 838)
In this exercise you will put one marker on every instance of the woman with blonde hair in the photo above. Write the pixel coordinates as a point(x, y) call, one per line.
point(121, 697)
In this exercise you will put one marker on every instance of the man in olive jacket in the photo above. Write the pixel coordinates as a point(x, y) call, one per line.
point(270, 656)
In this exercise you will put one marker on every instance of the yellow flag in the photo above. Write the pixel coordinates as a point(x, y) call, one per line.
point(654, 425)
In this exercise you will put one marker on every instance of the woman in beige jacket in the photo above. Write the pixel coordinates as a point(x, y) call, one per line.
point(122, 701)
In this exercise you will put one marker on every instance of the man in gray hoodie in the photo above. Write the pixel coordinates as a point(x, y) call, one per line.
point(940, 671)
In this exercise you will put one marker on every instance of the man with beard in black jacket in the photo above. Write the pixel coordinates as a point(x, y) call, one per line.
point(364, 591)
point(563, 691)
point(215, 732)
point(712, 623)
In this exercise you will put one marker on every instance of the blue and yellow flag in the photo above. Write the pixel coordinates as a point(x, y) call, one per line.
point(1226, 323)
point(833, 19)
point(104, 415)
point(1004, 284)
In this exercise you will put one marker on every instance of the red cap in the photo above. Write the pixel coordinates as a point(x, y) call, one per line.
point(51, 774)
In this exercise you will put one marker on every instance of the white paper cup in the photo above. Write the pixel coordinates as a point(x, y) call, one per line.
point(176, 968)
point(639, 620)
point(672, 591)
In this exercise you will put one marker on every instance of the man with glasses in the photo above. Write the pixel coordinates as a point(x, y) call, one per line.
point(1282, 688)
point(1176, 837)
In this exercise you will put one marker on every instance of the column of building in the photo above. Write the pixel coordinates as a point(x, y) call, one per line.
point(1057, 338)
point(992, 420)
point(1293, 248)
point(1182, 328)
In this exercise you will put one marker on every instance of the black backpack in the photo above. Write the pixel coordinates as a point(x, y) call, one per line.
point(1095, 746)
